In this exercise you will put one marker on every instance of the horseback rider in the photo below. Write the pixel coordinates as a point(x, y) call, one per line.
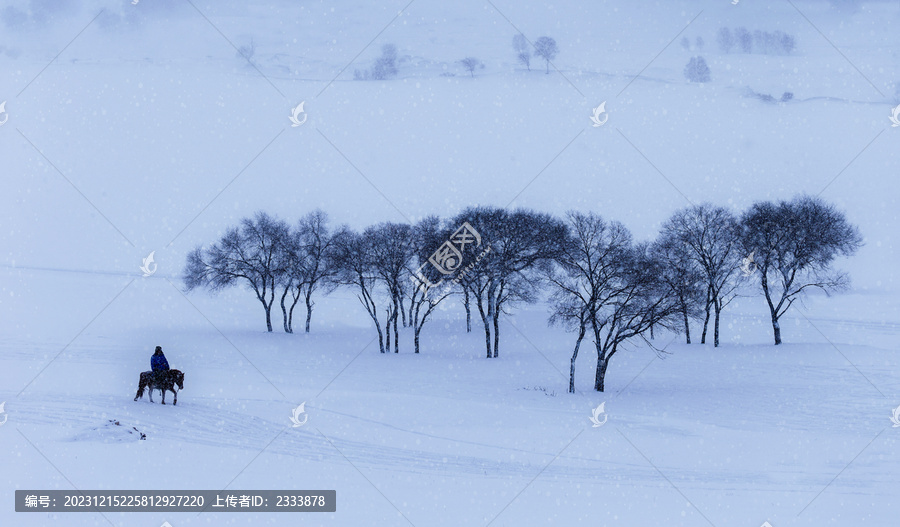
point(158, 365)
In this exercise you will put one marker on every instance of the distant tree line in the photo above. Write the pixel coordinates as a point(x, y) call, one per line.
point(597, 280)
point(762, 42)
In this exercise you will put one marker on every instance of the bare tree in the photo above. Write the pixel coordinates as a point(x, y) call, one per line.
point(429, 287)
point(545, 48)
point(725, 40)
point(605, 284)
point(471, 64)
point(711, 236)
point(586, 275)
point(521, 243)
point(307, 256)
point(683, 277)
point(521, 47)
point(385, 66)
point(250, 254)
point(427, 235)
point(317, 247)
point(354, 258)
point(392, 246)
point(744, 39)
point(291, 280)
point(794, 244)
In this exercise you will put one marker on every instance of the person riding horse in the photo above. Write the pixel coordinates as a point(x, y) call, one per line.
point(158, 364)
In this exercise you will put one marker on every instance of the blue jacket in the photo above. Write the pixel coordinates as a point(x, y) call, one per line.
point(159, 362)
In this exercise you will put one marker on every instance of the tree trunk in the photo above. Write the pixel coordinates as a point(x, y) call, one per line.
point(496, 331)
point(380, 337)
point(397, 306)
point(284, 311)
point(268, 308)
point(773, 311)
point(776, 328)
point(403, 313)
point(497, 298)
point(486, 319)
point(705, 325)
point(687, 325)
point(387, 329)
point(575, 356)
point(413, 313)
point(706, 320)
point(600, 376)
point(366, 300)
point(309, 308)
point(468, 310)
point(487, 337)
point(716, 334)
point(291, 318)
point(416, 330)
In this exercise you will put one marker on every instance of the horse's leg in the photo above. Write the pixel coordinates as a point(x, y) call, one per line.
point(175, 401)
point(163, 395)
point(151, 392)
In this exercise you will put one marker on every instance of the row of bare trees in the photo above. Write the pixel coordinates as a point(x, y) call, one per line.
point(598, 281)
point(271, 259)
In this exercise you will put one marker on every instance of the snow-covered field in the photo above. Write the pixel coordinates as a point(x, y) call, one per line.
point(147, 133)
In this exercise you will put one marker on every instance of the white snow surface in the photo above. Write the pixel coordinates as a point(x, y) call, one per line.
point(138, 129)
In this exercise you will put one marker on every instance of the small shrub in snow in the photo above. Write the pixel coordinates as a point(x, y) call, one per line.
point(385, 66)
point(247, 51)
point(697, 70)
point(471, 64)
point(523, 54)
point(765, 97)
point(542, 389)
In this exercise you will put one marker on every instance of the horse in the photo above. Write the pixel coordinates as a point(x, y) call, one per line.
point(166, 382)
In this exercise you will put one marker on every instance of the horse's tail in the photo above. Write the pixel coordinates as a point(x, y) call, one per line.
point(140, 390)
